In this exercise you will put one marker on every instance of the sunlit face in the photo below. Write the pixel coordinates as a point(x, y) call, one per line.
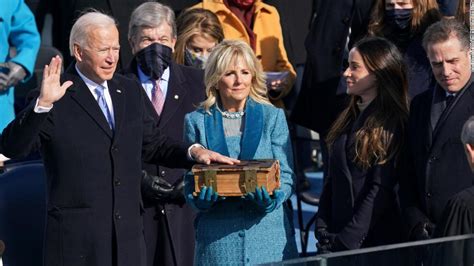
point(450, 64)
point(360, 82)
point(201, 45)
point(234, 86)
point(97, 60)
point(398, 4)
point(163, 34)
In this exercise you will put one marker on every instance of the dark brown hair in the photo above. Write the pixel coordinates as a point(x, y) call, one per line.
point(375, 142)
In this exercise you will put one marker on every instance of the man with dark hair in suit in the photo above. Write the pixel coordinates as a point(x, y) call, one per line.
point(174, 90)
point(93, 138)
point(439, 169)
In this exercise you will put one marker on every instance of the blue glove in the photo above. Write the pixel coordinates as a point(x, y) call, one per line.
point(261, 198)
point(207, 197)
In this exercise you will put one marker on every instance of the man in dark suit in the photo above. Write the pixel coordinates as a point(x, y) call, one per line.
point(93, 138)
point(168, 222)
point(439, 169)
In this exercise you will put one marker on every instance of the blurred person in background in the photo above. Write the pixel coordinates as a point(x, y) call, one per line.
point(403, 22)
point(199, 31)
point(19, 45)
point(257, 24)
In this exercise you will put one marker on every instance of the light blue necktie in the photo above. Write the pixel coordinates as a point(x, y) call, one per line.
point(103, 106)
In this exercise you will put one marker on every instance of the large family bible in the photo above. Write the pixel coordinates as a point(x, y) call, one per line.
point(237, 180)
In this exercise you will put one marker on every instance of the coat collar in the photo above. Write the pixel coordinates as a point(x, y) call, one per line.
point(82, 95)
point(446, 113)
point(253, 128)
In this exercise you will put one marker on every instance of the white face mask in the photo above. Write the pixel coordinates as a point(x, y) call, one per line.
point(195, 60)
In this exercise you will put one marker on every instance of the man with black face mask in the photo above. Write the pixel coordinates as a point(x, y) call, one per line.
point(174, 90)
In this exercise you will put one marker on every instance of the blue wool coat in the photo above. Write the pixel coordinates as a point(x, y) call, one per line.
point(234, 231)
point(17, 29)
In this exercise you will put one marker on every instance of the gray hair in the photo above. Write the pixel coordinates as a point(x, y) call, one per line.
point(151, 15)
point(467, 133)
point(80, 29)
point(444, 29)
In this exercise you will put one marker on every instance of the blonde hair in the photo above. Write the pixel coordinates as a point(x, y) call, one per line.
point(194, 22)
point(221, 59)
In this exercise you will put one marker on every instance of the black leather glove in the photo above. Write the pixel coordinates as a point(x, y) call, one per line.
point(327, 242)
point(177, 195)
point(11, 73)
point(155, 188)
point(422, 231)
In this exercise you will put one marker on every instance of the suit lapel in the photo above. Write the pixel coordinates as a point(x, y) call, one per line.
point(175, 95)
point(215, 132)
point(82, 95)
point(118, 101)
point(253, 129)
point(447, 112)
point(340, 160)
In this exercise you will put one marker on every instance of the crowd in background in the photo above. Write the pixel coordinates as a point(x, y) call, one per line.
point(386, 84)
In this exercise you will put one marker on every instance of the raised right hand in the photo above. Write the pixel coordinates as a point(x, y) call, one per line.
point(51, 89)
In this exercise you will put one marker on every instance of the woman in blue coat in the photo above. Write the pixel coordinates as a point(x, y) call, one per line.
point(238, 120)
point(17, 29)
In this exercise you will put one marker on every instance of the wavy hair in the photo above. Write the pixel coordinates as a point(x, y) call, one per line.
point(375, 141)
point(192, 22)
point(222, 58)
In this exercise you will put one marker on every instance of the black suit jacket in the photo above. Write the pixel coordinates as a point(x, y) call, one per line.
point(185, 92)
point(93, 173)
point(439, 169)
point(318, 103)
point(359, 205)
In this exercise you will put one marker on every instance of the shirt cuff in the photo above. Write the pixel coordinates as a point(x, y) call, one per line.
point(41, 109)
point(190, 157)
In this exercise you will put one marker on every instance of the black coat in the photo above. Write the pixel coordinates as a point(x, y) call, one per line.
point(359, 205)
point(439, 168)
point(93, 174)
point(319, 103)
point(185, 92)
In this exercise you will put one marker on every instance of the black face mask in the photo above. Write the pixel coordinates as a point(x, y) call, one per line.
point(193, 60)
point(154, 59)
point(398, 18)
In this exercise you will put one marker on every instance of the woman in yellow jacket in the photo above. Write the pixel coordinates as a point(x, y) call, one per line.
point(265, 37)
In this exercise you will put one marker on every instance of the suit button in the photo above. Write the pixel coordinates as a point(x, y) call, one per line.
point(428, 195)
point(117, 215)
point(241, 233)
point(117, 182)
point(163, 173)
point(346, 20)
point(114, 148)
